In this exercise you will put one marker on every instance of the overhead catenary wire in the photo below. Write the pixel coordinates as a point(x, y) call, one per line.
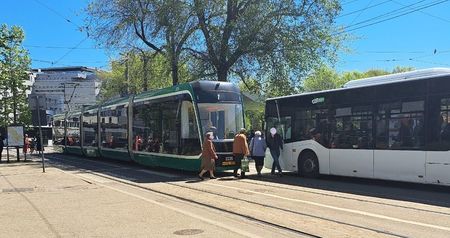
point(349, 28)
point(363, 9)
point(68, 52)
point(64, 47)
point(361, 12)
point(59, 14)
point(425, 13)
point(386, 14)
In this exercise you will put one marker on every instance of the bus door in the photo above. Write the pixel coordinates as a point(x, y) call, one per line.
point(351, 152)
point(284, 129)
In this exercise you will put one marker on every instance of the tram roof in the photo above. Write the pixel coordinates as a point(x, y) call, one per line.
point(381, 80)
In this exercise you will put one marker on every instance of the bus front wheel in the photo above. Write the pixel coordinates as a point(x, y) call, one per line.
point(308, 165)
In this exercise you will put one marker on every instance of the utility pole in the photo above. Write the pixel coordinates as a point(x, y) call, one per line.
point(127, 76)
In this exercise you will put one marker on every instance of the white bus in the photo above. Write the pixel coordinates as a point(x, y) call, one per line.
point(393, 127)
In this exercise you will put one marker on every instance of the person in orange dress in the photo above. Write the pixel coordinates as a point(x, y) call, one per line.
point(208, 156)
point(26, 144)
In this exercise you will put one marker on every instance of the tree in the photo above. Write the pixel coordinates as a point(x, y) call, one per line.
point(14, 64)
point(163, 26)
point(324, 77)
point(266, 36)
point(132, 74)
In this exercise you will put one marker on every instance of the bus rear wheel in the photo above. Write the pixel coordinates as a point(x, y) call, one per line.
point(309, 165)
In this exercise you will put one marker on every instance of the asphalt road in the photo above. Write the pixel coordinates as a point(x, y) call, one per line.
point(107, 198)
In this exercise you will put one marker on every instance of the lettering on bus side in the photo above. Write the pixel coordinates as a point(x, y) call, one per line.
point(318, 100)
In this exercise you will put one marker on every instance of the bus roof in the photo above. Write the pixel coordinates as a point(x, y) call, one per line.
point(392, 78)
point(380, 80)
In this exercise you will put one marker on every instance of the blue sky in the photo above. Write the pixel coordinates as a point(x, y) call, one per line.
point(420, 39)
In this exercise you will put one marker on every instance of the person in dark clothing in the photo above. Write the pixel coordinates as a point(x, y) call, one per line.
point(39, 146)
point(275, 145)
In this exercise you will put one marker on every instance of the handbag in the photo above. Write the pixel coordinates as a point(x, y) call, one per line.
point(244, 165)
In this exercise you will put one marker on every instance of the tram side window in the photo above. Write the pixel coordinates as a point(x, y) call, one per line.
point(190, 142)
point(147, 127)
point(114, 127)
point(73, 131)
point(90, 129)
point(400, 125)
point(352, 128)
point(170, 113)
point(58, 133)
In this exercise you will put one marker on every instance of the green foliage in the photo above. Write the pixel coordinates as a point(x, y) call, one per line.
point(14, 64)
point(160, 26)
point(325, 77)
point(115, 82)
point(263, 38)
point(275, 42)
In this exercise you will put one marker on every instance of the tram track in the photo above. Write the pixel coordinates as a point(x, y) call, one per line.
point(244, 200)
point(276, 208)
point(191, 201)
point(278, 186)
point(346, 198)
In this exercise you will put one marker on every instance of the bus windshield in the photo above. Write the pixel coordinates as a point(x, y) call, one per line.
point(224, 120)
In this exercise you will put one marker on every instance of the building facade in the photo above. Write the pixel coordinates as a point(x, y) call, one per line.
point(65, 89)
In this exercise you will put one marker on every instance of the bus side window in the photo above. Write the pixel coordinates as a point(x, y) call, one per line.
point(439, 124)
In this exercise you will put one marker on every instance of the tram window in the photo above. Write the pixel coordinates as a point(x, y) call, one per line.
point(114, 127)
point(170, 114)
point(147, 127)
point(190, 142)
point(90, 129)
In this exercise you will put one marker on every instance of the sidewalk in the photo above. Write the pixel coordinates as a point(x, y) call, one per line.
point(59, 203)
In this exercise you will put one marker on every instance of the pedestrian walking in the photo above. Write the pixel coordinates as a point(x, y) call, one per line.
point(208, 156)
point(32, 145)
point(258, 148)
point(39, 147)
point(26, 144)
point(240, 150)
point(275, 144)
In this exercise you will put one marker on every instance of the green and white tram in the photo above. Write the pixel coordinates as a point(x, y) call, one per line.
point(394, 127)
point(161, 128)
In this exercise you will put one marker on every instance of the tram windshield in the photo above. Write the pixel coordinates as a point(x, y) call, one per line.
point(224, 120)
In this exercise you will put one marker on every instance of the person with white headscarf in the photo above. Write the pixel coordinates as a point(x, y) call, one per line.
point(275, 144)
point(258, 151)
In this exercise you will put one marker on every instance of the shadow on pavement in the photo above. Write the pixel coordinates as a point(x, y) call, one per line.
point(401, 191)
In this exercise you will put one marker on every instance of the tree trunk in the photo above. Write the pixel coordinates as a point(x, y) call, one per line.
point(174, 67)
point(145, 66)
point(222, 73)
